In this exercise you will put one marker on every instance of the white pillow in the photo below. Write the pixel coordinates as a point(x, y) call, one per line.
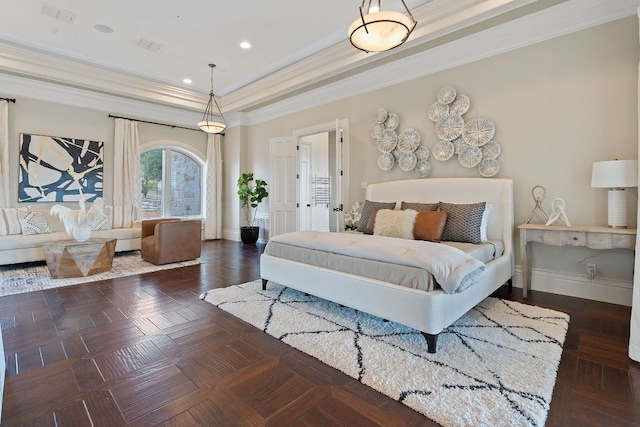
point(392, 223)
point(484, 223)
point(32, 222)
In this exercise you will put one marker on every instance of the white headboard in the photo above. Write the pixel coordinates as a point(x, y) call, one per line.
point(496, 192)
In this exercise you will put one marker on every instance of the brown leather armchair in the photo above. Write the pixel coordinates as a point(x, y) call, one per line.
point(168, 240)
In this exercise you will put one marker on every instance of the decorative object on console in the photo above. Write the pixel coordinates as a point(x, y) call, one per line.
point(377, 30)
point(56, 169)
point(208, 123)
point(538, 192)
point(557, 205)
point(80, 223)
point(471, 141)
point(615, 175)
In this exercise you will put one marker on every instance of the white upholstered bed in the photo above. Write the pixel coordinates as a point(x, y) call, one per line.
point(427, 311)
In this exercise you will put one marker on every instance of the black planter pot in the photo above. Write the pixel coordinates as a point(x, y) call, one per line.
point(249, 235)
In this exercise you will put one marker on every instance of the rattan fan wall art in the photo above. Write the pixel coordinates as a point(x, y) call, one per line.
point(470, 140)
point(398, 147)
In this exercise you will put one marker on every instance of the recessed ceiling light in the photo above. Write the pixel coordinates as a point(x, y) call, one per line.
point(245, 45)
point(103, 28)
point(187, 81)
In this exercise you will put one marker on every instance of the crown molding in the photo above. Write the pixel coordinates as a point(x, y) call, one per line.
point(38, 65)
point(435, 21)
point(562, 19)
point(17, 86)
point(333, 74)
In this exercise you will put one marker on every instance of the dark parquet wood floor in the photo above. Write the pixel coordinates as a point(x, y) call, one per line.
point(145, 351)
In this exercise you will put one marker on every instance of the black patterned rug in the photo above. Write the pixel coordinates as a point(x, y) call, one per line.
point(495, 366)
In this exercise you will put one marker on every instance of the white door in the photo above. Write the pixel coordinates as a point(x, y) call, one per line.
point(283, 165)
point(305, 186)
point(336, 222)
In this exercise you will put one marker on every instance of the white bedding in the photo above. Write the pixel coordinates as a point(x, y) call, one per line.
point(452, 269)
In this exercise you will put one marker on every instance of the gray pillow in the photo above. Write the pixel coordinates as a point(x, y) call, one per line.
point(368, 209)
point(463, 222)
point(420, 207)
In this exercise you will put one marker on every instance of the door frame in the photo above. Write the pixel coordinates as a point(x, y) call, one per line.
point(341, 127)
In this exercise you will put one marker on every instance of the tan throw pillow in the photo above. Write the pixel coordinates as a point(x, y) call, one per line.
point(372, 221)
point(392, 223)
point(429, 226)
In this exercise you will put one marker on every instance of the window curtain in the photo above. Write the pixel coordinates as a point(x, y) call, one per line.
point(634, 337)
point(126, 166)
point(4, 154)
point(213, 215)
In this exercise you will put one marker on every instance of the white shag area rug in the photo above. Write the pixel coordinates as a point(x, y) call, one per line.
point(495, 366)
point(15, 280)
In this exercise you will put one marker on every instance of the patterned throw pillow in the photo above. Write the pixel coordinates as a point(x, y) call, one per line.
point(9, 222)
point(368, 209)
point(32, 222)
point(463, 222)
point(101, 221)
point(420, 207)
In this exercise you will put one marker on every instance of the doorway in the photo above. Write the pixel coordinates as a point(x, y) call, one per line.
point(309, 178)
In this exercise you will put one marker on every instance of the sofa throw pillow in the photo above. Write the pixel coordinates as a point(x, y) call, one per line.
point(429, 225)
point(368, 208)
point(463, 222)
point(417, 206)
point(32, 222)
point(392, 223)
point(9, 222)
point(101, 220)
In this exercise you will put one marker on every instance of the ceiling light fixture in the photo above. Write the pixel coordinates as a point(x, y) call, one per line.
point(208, 124)
point(380, 30)
point(245, 45)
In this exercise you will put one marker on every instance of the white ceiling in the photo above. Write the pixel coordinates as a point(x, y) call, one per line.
point(296, 45)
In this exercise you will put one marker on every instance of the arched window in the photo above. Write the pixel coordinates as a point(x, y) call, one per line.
point(171, 183)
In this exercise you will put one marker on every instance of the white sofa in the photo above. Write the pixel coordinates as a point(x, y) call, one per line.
point(17, 248)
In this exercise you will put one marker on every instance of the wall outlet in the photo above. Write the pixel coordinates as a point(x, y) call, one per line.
point(591, 271)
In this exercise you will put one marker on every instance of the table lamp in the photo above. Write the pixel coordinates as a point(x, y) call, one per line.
point(615, 175)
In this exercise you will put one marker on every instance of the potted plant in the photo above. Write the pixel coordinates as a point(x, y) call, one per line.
point(251, 192)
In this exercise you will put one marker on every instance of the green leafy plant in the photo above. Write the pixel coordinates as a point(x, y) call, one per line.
point(251, 192)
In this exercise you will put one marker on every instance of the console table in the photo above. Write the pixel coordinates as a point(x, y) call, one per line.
point(69, 258)
point(593, 237)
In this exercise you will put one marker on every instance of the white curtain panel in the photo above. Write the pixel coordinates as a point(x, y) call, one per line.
point(634, 338)
point(4, 154)
point(126, 166)
point(213, 195)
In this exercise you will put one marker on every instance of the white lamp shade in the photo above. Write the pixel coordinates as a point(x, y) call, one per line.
point(384, 30)
point(211, 127)
point(615, 174)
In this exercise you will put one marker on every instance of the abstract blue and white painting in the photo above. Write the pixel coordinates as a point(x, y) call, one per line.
point(55, 169)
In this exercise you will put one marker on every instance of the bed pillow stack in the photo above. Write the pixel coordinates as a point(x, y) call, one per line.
point(434, 222)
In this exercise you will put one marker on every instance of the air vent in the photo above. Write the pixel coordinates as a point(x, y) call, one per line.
point(58, 14)
point(148, 45)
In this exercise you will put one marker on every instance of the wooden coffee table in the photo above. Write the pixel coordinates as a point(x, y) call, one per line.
point(69, 258)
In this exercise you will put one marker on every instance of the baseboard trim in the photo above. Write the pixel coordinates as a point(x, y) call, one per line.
point(613, 291)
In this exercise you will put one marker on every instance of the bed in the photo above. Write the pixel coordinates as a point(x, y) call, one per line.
point(429, 311)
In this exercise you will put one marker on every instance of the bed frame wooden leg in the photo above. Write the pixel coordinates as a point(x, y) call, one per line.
point(264, 284)
point(510, 284)
point(432, 341)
